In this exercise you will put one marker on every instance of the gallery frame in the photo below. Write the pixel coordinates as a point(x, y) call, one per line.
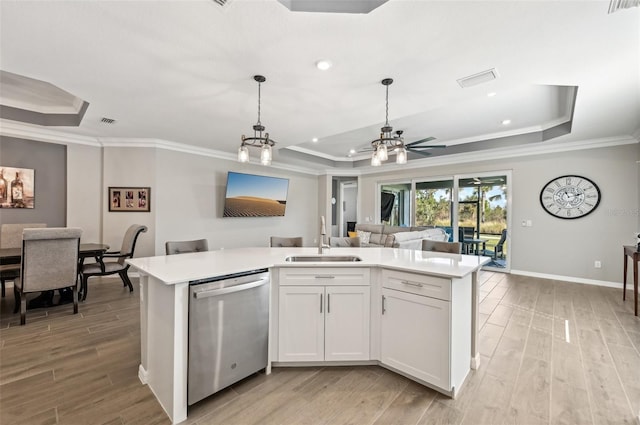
point(129, 199)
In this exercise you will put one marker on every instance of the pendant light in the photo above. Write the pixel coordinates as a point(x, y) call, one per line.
point(387, 140)
point(260, 138)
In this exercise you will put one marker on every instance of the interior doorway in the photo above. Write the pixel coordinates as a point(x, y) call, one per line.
point(344, 204)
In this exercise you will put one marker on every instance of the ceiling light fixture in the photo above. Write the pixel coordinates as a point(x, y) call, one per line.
point(314, 140)
point(387, 140)
point(506, 122)
point(323, 65)
point(258, 140)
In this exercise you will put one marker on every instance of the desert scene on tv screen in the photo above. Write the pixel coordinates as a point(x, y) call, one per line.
point(248, 206)
point(255, 196)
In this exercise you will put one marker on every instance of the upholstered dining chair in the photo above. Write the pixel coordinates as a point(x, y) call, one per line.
point(11, 237)
point(280, 242)
point(49, 261)
point(181, 247)
point(117, 265)
point(439, 246)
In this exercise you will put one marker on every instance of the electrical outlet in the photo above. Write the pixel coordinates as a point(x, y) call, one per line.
point(597, 264)
point(524, 223)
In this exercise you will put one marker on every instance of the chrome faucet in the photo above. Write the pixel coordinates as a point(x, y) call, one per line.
point(323, 234)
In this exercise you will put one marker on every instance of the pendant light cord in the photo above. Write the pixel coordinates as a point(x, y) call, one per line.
point(259, 103)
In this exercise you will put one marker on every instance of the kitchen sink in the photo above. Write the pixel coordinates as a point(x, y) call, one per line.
point(322, 258)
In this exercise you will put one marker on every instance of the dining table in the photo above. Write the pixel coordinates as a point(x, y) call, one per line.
point(474, 244)
point(86, 250)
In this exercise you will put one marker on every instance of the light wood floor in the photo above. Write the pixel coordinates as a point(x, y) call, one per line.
point(552, 352)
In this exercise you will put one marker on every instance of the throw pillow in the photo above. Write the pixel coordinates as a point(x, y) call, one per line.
point(364, 236)
point(353, 234)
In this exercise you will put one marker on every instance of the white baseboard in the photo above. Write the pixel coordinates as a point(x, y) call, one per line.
point(569, 278)
point(143, 375)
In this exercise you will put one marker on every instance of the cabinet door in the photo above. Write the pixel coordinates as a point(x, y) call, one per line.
point(415, 336)
point(347, 323)
point(301, 323)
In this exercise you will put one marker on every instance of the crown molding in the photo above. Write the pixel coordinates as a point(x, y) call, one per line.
point(32, 132)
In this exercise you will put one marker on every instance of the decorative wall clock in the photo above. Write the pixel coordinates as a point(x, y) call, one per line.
point(570, 197)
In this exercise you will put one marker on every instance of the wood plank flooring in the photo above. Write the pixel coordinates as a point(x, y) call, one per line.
point(552, 353)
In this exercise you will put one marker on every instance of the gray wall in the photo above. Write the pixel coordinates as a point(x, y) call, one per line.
point(49, 162)
point(553, 246)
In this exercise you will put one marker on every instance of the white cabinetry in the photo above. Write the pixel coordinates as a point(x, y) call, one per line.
point(423, 334)
point(323, 314)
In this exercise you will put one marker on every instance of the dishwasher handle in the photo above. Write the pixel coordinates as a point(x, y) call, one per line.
point(206, 293)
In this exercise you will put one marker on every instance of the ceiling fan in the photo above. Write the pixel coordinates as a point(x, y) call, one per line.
point(396, 141)
point(389, 141)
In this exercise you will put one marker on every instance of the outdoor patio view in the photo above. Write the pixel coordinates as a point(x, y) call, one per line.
point(481, 211)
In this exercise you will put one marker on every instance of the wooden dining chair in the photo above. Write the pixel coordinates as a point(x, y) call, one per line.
point(49, 261)
point(282, 242)
point(181, 247)
point(11, 237)
point(116, 264)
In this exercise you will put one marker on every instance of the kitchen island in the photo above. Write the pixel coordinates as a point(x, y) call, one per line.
point(390, 278)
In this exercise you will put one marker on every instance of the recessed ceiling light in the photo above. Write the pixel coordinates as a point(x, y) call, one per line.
point(314, 140)
point(491, 94)
point(352, 151)
point(506, 122)
point(323, 64)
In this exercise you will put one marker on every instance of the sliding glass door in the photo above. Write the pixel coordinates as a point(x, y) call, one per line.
point(472, 208)
point(395, 204)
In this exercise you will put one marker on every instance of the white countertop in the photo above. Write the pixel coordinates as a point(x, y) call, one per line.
point(172, 269)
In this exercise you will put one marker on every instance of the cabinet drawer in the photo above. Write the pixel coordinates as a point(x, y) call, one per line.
point(429, 286)
point(324, 276)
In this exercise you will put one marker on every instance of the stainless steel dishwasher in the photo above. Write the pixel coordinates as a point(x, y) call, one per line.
point(228, 331)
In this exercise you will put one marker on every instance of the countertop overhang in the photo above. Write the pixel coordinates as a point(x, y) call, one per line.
point(174, 269)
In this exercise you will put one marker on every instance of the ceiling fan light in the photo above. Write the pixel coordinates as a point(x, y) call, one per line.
point(401, 156)
point(375, 160)
point(383, 155)
point(243, 154)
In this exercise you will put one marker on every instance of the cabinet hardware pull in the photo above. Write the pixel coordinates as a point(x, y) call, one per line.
point(320, 303)
point(324, 276)
point(328, 303)
point(406, 282)
point(383, 303)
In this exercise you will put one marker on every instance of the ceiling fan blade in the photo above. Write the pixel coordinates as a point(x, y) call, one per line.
point(425, 147)
point(417, 142)
point(423, 153)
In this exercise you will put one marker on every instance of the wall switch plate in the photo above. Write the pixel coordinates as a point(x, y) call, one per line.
point(524, 223)
point(597, 264)
point(529, 223)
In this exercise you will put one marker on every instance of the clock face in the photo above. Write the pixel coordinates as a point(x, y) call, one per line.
point(570, 197)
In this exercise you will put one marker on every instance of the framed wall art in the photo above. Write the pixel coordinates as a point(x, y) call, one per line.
point(16, 187)
point(129, 199)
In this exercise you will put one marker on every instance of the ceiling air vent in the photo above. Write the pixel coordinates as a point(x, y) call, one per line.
point(616, 5)
point(479, 78)
point(222, 3)
point(105, 120)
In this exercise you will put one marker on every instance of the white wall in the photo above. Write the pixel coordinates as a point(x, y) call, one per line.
point(189, 202)
point(554, 246)
point(85, 196)
point(129, 167)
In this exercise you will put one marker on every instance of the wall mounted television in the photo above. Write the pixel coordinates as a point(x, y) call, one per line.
point(250, 195)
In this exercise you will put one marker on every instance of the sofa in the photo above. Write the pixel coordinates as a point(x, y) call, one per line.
point(397, 236)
